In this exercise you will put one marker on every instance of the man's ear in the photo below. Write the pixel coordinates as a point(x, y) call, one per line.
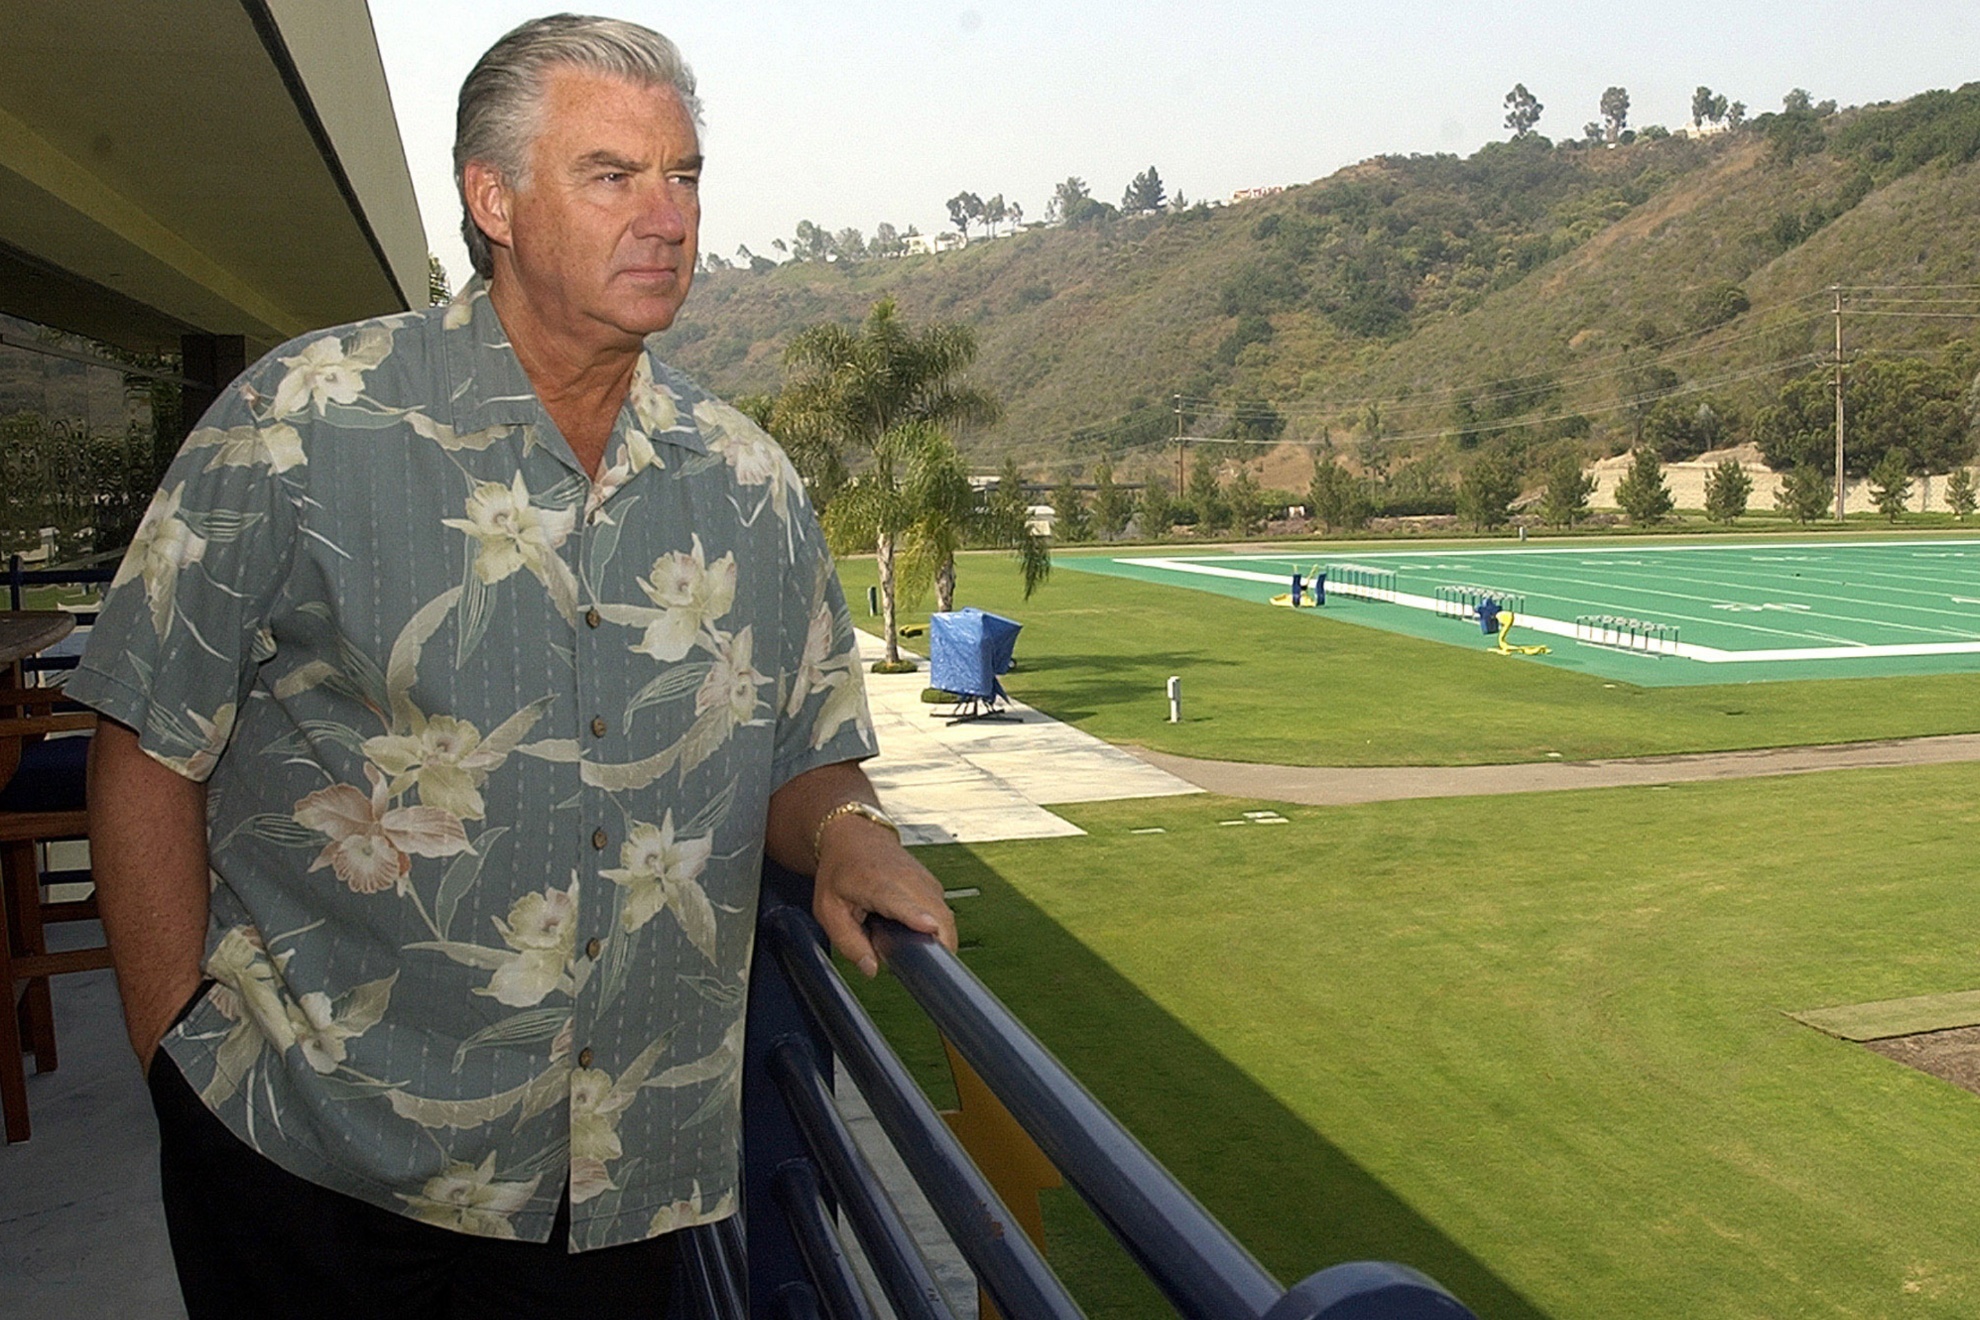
point(489, 200)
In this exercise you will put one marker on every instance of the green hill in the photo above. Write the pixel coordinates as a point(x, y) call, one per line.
point(1406, 307)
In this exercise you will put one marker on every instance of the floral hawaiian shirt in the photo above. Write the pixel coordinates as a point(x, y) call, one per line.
point(489, 745)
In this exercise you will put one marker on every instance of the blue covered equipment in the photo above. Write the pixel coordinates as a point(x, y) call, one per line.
point(968, 648)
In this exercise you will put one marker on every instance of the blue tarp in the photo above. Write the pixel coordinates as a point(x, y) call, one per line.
point(968, 649)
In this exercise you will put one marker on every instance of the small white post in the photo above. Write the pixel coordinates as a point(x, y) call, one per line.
point(1175, 699)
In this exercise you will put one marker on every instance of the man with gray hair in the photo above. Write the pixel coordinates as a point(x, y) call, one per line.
point(463, 671)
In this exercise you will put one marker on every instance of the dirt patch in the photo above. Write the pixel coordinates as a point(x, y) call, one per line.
point(1952, 1056)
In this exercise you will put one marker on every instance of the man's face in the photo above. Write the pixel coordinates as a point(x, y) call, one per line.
point(602, 241)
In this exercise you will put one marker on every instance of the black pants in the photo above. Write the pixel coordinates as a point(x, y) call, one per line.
point(254, 1241)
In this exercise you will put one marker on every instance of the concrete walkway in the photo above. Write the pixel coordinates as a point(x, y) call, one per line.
point(983, 780)
point(1325, 786)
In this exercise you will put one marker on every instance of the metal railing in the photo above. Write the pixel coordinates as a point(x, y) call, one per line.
point(1204, 1272)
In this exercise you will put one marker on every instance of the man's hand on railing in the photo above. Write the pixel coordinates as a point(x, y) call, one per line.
point(863, 871)
point(825, 821)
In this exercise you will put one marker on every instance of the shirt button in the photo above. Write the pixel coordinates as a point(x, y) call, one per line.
point(598, 839)
point(592, 617)
point(598, 726)
point(591, 948)
point(584, 1057)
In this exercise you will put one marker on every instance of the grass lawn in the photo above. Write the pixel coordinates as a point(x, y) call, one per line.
point(1263, 685)
point(1534, 1045)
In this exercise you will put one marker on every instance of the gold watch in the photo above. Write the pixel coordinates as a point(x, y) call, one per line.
point(855, 807)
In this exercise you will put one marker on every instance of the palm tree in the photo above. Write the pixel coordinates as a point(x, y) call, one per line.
point(877, 507)
point(951, 514)
point(887, 392)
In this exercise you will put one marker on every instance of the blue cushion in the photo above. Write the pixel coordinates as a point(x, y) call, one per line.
point(51, 777)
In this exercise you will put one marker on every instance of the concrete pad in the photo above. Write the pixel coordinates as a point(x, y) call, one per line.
point(978, 781)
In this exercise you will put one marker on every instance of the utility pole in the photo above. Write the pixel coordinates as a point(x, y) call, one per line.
point(1837, 290)
point(1179, 448)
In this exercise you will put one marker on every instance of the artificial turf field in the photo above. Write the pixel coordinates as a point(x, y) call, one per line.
point(1740, 612)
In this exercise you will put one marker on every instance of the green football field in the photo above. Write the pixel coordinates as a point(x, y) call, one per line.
point(1652, 615)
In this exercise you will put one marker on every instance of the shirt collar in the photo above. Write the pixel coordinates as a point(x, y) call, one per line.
point(492, 389)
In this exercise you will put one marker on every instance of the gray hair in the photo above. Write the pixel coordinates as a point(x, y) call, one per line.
point(497, 119)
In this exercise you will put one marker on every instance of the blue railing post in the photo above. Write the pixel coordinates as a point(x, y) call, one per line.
point(1368, 1290)
point(770, 1137)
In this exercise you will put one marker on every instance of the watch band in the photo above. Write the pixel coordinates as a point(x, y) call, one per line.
point(852, 808)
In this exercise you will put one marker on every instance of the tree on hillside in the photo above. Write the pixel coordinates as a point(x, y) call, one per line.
point(1918, 405)
point(809, 242)
point(994, 213)
point(1727, 489)
point(1804, 494)
point(1890, 482)
point(1070, 522)
point(1522, 110)
point(1066, 198)
point(1155, 510)
point(1247, 501)
point(1615, 112)
point(849, 390)
point(1960, 496)
point(1488, 488)
point(965, 209)
point(1339, 502)
point(1642, 494)
point(1206, 494)
point(1798, 102)
point(1735, 114)
point(1145, 193)
point(1111, 506)
point(1644, 382)
point(1564, 502)
point(1716, 304)
point(1684, 427)
point(1707, 107)
point(1015, 215)
point(1257, 421)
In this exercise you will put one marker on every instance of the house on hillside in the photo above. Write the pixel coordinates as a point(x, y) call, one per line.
point(927, 245)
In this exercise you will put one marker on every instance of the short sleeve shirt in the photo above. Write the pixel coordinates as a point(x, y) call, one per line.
point(489, 745)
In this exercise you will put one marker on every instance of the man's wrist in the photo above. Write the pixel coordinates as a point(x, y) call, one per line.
point(854, 807)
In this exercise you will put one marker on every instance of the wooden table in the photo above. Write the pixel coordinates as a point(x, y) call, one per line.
point(23, 632)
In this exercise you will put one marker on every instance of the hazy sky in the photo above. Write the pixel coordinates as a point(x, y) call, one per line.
point(856, 112)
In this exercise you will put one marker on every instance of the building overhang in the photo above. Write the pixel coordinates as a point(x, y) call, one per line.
point(222, 167)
